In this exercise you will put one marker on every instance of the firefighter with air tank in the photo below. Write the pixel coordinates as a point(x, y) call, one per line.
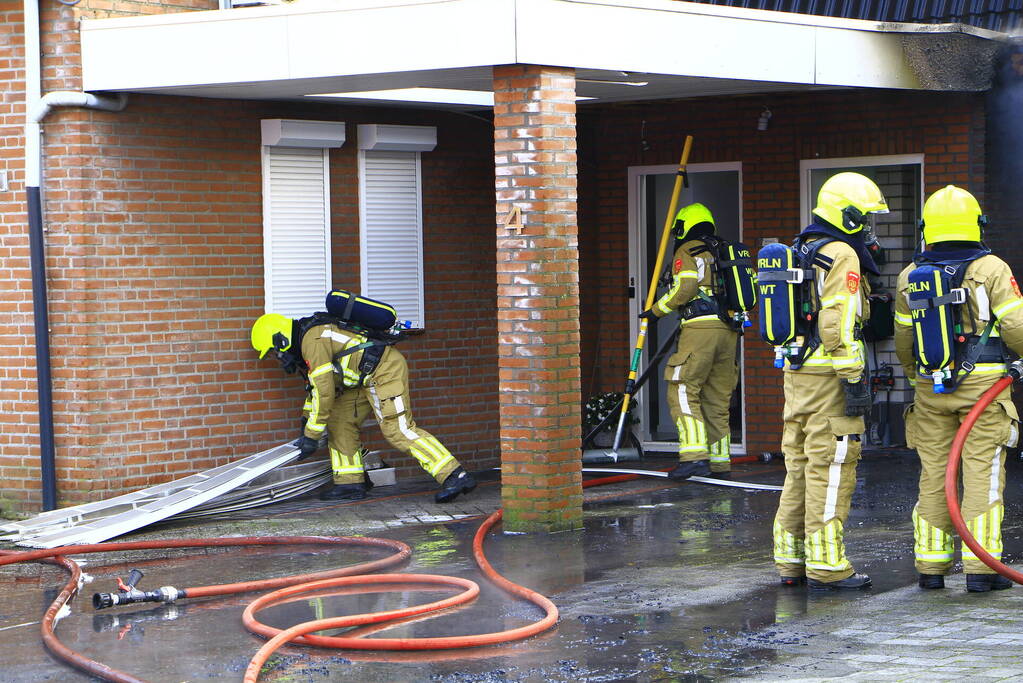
point(958, 314)
point(702, 373)
point(814, 296)
point(353, 369)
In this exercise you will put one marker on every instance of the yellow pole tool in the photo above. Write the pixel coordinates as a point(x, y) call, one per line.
point(669, 221)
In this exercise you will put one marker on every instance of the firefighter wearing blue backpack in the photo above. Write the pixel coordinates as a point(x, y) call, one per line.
point(353, 370)
point(958, 314)
point(813, 298)
point(712, 285)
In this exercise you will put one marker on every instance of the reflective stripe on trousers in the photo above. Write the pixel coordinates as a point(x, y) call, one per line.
point(721, 450)
point(431, 454)
point(987, 529)
point(931, 543)
point(788, 548)
point(692, 435)
point(825, 549)
point(347, 469)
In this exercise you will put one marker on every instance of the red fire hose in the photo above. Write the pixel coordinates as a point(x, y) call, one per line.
point(291, 585)
point(952, 474)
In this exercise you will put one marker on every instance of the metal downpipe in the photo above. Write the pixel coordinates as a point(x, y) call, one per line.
point(36, 109)
point(44, 384)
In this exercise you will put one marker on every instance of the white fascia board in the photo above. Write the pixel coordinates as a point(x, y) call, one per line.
point(660, 38)
point(316, 40)
point(711, 41)
point(304, 40)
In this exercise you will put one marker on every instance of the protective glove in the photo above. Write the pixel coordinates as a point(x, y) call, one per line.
point(857, 397)
point(307, 446)
point(649, 315)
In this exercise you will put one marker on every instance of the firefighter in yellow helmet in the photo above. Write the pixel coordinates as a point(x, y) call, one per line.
point(351, 375)
point(826, 394)
point(957, 276)
point(702, 373)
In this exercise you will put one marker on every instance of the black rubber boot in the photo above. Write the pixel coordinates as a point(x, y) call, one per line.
point(932, 581)
point(793, 580)
point(344, 492)
point(725, 474)
point(982, 583)
point(457, 483)
point(693, 468)
point(852, 583)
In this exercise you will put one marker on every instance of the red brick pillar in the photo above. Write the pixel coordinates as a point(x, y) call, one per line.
point(538, 297)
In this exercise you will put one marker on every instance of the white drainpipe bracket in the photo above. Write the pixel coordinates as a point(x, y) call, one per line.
point(41, 109)
point(70, 98)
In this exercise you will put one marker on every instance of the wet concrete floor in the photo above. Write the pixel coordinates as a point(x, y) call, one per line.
point(666, 582)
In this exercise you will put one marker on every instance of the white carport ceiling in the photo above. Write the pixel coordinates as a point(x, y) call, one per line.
point(681, 49)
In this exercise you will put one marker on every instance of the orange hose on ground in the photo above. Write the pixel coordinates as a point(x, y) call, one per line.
point(289, 586)
point(952, 482)
point(100, 670)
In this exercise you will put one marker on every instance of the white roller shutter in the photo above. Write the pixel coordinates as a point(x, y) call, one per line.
point(296, 230)
point(391, 230)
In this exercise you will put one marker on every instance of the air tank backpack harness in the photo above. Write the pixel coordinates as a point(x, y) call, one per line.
point(368, 318)
point(735, 283)
point(790, 298)
point(942, 347)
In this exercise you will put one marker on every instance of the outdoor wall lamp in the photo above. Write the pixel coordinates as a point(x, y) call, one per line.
point(765, 118)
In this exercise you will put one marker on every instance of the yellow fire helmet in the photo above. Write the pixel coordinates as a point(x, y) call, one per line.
point(689, 217)
point(847, 198)
point(271, 331)
point(952, 214)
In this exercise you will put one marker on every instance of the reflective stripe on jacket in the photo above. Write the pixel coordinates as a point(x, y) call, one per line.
point(690, 275)
point(319, 346)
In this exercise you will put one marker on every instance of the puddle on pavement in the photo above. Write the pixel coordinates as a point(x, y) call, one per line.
point(662, 585)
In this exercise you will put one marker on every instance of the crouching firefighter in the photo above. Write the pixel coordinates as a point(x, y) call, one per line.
point(958, 315)
point(353, 369)
point(712, 287)
point(814, 296)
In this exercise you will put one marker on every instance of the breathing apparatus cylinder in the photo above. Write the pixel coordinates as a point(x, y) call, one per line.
point(360, 310)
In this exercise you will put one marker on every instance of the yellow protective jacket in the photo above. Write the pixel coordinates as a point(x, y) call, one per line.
point(992, 293)
point(844, 304)
point(320, 345)
point(691, 274)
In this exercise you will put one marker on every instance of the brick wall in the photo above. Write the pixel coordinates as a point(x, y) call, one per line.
point(946, 128)
point(18, 422)
point(155, 263)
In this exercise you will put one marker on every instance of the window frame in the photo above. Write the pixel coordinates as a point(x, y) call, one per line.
point(364, 251)
point(268, 227)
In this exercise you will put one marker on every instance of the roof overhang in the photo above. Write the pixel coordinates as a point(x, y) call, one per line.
point(680, 49)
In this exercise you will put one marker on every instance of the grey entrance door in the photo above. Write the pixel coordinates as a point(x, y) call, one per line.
point(719, 190)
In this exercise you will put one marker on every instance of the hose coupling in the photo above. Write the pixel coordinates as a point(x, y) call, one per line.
point(129, 594)
point(1016, 370)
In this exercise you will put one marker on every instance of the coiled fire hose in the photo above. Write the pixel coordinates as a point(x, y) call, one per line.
point(952, 473)
point(289, 586)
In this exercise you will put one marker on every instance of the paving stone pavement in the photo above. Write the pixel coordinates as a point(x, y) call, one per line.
point(905, 634)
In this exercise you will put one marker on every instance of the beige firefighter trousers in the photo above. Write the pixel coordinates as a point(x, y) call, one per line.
point(699, 389)
point(931, 424)
point(386, 395)
point(821, 447)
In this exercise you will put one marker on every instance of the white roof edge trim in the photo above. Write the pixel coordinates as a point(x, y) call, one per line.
point(204, 16)
point(772, 16)
point(678, 6)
